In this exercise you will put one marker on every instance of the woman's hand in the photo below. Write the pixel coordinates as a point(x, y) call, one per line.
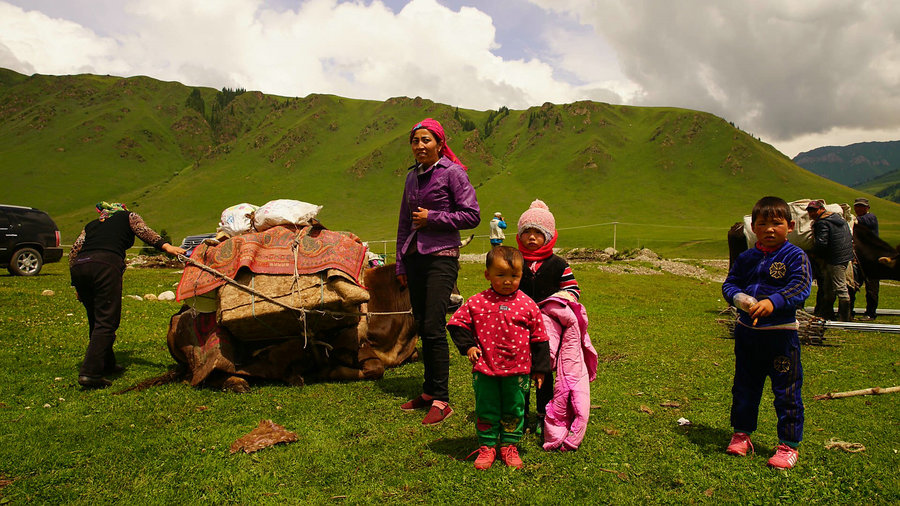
point(173, 250)
point(401, 278)
point(538, 378)
point(420, 218)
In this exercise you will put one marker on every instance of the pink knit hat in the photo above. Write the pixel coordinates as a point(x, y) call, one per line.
point(538, 216)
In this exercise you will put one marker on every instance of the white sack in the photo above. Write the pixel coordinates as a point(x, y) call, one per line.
point(284, 212)
point(802, 235)
point(237, 220)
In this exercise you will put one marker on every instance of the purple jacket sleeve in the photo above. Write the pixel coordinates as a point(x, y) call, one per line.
point(404, 228)
point(467, 213)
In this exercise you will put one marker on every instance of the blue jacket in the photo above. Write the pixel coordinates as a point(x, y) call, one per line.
point(783, 276)
point(444, 189)
point(869, 220)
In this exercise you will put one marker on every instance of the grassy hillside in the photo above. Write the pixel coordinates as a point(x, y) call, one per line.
point(673, 179)
point(886, 186)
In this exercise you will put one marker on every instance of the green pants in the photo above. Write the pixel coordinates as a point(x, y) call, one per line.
point(500, 407)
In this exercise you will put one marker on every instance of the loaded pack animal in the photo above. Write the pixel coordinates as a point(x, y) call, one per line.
point(212, 355)
point(352, 334)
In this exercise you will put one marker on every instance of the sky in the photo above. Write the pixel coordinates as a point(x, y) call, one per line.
point(798, 74)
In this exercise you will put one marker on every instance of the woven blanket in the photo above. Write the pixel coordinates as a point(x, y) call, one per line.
point(278, 250)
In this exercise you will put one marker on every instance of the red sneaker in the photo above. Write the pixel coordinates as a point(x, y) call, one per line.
point(436, 415)
point(417, 403)
point(486, 456)
point(740, 444)
point(510, 455)
point(785, 457)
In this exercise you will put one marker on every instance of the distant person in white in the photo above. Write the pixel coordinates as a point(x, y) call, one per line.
point(497, 227)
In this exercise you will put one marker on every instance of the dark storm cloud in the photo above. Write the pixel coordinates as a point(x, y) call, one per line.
point(783, 68)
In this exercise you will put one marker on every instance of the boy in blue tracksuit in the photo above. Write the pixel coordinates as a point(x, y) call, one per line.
point(767, 283)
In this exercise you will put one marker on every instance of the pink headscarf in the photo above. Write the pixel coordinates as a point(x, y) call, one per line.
point(433, 126)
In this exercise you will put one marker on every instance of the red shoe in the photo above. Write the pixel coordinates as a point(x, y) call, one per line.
point(510, 456)
point(437, 415)
point(417, 403)
point(785, 457)
point(486, 456)
point(740, 444)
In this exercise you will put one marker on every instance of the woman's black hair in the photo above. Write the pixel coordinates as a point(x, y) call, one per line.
point(769, 207)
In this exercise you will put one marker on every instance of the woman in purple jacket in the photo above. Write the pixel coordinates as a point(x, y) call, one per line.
point(438, 201)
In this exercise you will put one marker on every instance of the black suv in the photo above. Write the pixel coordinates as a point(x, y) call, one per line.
point(28, 240)
point(192, 241)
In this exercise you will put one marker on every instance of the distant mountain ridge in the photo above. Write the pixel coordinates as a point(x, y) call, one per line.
point(852, 165)
point(669, 179)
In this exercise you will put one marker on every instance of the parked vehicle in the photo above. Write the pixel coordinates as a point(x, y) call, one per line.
point(28, 239)
point(192, 241)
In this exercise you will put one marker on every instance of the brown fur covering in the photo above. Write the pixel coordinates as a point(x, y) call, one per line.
point(215, 358)
point(393, 337)
point(737, 242)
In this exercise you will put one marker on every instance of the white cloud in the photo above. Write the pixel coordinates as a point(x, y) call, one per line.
point(320, 46)
point(35, 42)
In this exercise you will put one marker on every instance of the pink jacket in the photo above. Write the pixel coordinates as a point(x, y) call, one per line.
point(575, 362)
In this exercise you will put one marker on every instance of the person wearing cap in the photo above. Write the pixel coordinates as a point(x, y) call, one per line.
point(863, 216)
point(870, 221)
point(834, 247)
point(438, 200)
point(497, 228)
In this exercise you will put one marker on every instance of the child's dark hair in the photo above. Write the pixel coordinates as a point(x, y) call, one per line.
point(771, 207)
point(510, 255)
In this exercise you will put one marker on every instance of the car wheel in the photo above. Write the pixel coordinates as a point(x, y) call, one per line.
point(26, 262)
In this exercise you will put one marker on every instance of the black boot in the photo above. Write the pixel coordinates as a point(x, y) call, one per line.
point(844, 311)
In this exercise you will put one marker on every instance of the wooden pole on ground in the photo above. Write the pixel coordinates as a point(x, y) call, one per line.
point(865, 391)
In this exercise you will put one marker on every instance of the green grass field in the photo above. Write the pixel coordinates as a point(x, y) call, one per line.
point(658, 343)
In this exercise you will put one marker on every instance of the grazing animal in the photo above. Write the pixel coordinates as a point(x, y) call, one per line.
point(877, 258)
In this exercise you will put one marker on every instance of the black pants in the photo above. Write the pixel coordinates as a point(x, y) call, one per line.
point(98, 280)
point(872, 288)
point(431, 280)
point(542, 396)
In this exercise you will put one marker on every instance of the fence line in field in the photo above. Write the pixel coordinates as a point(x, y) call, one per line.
point(486, 237)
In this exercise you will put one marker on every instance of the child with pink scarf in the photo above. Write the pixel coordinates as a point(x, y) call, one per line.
point(563, 406)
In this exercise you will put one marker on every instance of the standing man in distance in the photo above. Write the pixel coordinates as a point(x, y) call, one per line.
point(834, 245)
point(870, 221)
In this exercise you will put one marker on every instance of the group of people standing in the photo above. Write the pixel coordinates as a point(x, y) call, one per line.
point(529, 323)
point(834, 248)
point(502, 330)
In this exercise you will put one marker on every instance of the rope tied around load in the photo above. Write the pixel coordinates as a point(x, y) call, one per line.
point(304, 311)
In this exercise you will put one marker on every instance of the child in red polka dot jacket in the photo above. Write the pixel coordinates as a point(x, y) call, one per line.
point(502, 333)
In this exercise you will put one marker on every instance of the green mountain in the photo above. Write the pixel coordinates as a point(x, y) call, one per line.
point(854, 165)
point(672, 179)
